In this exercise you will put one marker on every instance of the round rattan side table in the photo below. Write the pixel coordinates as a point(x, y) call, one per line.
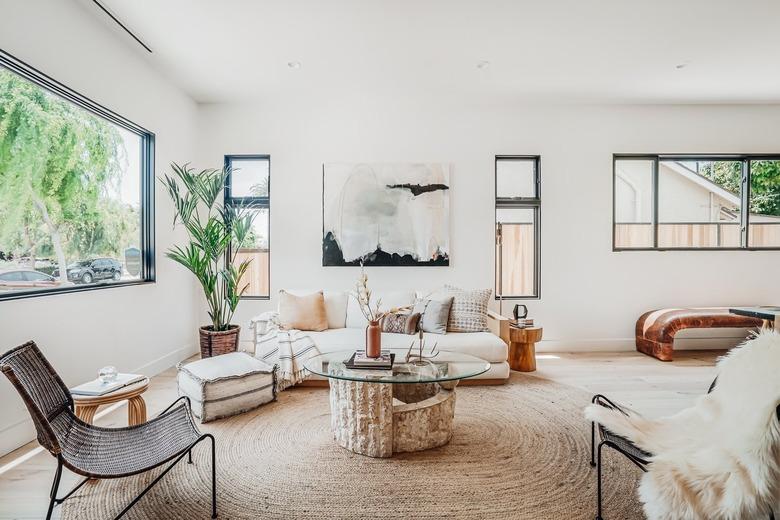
point(87, 405)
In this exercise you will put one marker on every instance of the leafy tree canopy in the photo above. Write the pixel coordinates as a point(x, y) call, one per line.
point(765, 182)
point(57, 162)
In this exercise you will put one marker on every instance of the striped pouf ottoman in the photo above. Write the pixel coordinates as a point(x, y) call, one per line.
point(226, 385)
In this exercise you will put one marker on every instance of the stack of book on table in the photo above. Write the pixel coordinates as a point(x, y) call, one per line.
point(97, 387)
point(522, 323)
point(360, 360)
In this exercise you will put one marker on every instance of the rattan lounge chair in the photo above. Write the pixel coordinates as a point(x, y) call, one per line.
point(92, 451)
point(622, 445)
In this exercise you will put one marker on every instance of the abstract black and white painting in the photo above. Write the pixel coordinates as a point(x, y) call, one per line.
point(386, 214)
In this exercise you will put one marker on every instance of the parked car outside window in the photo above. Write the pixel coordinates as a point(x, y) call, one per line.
point(88, 271)
point(25, 279)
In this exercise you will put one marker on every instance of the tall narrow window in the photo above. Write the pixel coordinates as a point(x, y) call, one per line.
point(518, 203)
point(76, 190)
point(249, 183)
point(696, 202)
point(633, 205)
point(764, 203)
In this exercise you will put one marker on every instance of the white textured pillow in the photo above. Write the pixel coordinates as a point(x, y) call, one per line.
point(469, 309)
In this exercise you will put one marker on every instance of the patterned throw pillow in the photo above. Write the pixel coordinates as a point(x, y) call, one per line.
point(400, 323)
point(469, 309)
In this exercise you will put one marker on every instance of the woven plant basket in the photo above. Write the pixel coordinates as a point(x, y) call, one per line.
point(218, 343)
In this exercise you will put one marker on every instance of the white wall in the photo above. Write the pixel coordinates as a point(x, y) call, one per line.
point(145, 328)
point(591, 296)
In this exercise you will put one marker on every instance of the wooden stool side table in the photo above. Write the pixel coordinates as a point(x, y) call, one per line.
point(87, 405)
point(522, 348)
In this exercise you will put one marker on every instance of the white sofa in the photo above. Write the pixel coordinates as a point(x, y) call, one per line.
point(346, 331)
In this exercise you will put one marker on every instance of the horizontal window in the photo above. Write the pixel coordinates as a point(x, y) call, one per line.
point(249, 185)
point(696, 202)
point(75, 190)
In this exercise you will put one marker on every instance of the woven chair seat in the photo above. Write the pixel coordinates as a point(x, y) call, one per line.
point(625, 445)
point(118, 452)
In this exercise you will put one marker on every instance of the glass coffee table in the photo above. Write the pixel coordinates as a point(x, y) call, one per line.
point(409, 408)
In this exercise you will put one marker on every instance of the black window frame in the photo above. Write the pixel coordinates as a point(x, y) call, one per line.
point(533, 203)
point(148, 273)
point(744, 196)
point(256, 203)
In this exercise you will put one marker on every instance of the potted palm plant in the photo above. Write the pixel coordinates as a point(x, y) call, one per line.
point(216, 233)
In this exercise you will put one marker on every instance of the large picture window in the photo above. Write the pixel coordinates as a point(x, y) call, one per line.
point(76, 185)
point(518, 207)
point(696, 202)
point(249, 184)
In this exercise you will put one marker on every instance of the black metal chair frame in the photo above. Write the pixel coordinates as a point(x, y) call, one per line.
point(638, 456)
point(188, 451)
point(608, 439)
point(33, 398)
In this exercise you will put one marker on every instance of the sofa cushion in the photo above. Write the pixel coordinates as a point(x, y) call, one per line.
point(400, 323)
point(335, 306)
point(483, 345)
point(226, 385)
point(435, 314)
point(302, 312)
point(469, 309)
point(390, 300)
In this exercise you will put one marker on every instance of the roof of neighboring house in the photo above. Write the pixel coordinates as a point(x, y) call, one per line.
point(702, 181)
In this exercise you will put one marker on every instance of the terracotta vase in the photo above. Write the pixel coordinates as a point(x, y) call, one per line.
point(373, 339)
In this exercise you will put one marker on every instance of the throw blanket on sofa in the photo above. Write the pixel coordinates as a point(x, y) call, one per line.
point(719, 459)
point(288, 349)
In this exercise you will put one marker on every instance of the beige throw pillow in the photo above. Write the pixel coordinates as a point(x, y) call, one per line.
point(303, 312)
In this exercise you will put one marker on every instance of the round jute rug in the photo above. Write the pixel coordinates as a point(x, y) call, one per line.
point(519, 451)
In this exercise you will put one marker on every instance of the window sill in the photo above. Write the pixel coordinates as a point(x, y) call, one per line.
point(18, 295)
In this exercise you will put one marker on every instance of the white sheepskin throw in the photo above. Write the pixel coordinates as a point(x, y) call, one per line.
point(718, 459)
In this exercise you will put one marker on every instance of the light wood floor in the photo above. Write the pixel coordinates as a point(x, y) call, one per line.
point(643, 383)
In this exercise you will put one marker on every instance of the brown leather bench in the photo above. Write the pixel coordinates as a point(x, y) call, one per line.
point(655, 330)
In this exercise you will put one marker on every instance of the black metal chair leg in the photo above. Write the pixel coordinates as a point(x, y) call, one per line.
point(59, 501)
point(213, 475)
point(54, 486)
point(592, 444)
point(598, 484)
point(147, 488)
point(176, 461)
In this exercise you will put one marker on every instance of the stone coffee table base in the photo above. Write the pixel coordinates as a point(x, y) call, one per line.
point(365, 420)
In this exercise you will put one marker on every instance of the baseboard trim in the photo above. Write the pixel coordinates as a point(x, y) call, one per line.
point(163, 363)
point(23, 431)
point(16, 435)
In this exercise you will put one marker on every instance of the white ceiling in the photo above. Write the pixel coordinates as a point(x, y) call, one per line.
point(539, 50)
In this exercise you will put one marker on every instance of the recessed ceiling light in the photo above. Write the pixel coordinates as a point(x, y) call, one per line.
point(483, 64)
point(294, 64)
